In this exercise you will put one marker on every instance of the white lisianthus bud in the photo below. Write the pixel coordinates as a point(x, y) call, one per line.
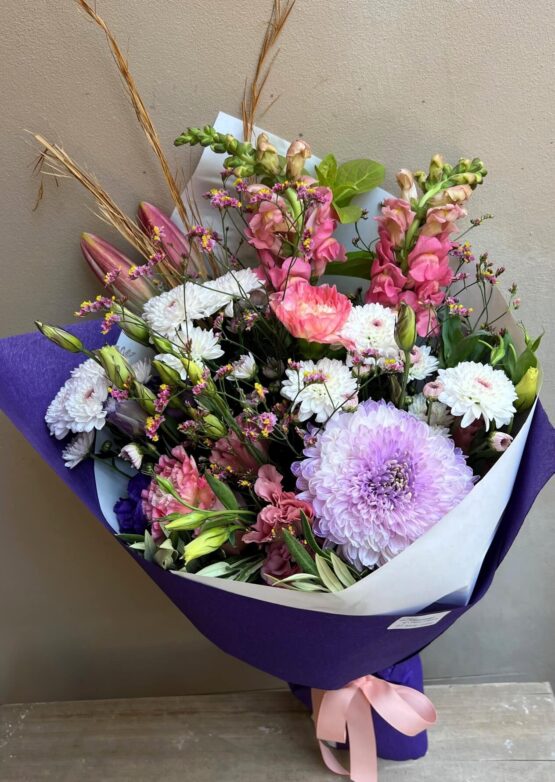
point(499, 441)
point(244, 368)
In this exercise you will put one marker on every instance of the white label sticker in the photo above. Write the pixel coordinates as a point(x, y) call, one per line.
point(412, 622)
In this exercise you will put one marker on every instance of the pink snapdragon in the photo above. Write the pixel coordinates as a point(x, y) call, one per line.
point(395, 220)
point(268, 225)
point(429, 260)
point(281, 272)
point(319, 245)
point(181, 470)
point(441, 219)
point(316, 314)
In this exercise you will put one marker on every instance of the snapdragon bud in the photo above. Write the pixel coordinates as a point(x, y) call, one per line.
point(405, 328)
point(266, 155)
point(61, 337)
point(436, 169)
point(298, 152)
point(406, 182)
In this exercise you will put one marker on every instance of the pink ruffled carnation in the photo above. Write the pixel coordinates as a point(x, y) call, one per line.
point(181, 470)
point(316, 314)
point(282, 512)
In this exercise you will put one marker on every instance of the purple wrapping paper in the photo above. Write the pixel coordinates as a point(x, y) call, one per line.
point(312, 648)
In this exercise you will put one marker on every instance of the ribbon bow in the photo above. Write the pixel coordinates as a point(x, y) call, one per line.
point(337, 712)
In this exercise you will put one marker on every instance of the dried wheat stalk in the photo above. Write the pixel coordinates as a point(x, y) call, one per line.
point(144, 121)
point(55, 161)
point(251, 97)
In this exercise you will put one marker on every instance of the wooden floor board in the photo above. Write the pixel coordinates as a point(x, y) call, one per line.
point(486, 733)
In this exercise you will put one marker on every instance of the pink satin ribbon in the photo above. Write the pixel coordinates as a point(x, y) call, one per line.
point(337, 712)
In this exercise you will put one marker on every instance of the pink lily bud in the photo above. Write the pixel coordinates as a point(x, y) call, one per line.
point(173, 242)
point(112, 267)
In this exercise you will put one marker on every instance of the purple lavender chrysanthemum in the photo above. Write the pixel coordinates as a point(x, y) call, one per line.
point(378, 479)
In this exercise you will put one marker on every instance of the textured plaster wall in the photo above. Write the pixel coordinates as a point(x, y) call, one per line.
point(394, 80)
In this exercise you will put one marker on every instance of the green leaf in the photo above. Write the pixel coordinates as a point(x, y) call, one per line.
point(129, 538)
point(222, 492)
point(150, 547)
point(249, 570)
point(358, 264)
point(326, 171)
point(309, 535)
point(355, 177)
point(341, 570)
point(216, 570)
point(327, 576)
point(349, 213)
point(300, 554)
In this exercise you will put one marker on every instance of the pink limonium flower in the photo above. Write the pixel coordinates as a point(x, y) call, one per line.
point(395, 219)
point(282, 512)
point(316, 314)
point(181, 470)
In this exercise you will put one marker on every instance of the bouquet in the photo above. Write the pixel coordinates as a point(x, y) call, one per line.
point(305, 405)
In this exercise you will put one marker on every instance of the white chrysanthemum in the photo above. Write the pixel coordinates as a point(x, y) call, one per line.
point(371, 327)
point(173, 362)
point(79, 404)
point(235, 285)
point(423, 363)
point(319, 389)
point(473, 390)
point(142, 370)
point(437, 415)
point(200, 345)
point(168, 311)
point(132, 453)
point(78, 449)
point(244, 368)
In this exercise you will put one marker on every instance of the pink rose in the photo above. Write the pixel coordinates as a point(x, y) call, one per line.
point(316, 314)
point(441, 219)
point(181, 470)
point(395, 219)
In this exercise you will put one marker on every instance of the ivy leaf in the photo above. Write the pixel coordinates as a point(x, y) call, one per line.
point(326, 171)
point(349, 213)
point(358, 264)
point(355, 177)
point(222, 492)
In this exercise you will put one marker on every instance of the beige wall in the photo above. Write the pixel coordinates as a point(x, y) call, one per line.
point(395, 80)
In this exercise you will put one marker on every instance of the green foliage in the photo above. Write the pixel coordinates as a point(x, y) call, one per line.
point(300, 554)
point(347, 181)
point(222, 492)
point(358, 264)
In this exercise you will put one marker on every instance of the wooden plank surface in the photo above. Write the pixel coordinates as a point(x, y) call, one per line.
point(486, 733)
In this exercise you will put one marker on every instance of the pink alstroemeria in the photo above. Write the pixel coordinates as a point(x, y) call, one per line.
point(112, 267)
point(173, 241)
